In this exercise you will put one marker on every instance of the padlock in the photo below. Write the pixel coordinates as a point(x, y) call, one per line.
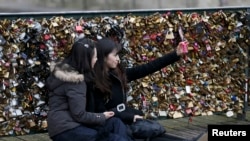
point(163, 113)
point(46, 37)
point(24, 37)
point(44, 124)
point(31, 123)
point(2, 40)
point(188, 111)
point(169, 35)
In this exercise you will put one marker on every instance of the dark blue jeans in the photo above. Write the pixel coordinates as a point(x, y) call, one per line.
point(114, 130)
point(117, 127)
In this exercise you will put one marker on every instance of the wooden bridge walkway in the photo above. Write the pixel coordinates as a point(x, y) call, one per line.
point(181, 127)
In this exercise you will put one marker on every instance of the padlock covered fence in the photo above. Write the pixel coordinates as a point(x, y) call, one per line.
point(212, 78)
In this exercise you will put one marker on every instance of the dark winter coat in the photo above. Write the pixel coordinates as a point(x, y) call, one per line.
point(67, 101)
point(118, 94)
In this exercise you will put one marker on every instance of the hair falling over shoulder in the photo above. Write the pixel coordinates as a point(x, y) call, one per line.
point(102, 75)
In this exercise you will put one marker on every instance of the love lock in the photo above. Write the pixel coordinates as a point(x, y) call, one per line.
point(15, 112)
point(2, 40)
point(169, 35)
point(40, 102)
point(44, 124)
point(37, 27)
point(31, 123)
point(24, 37)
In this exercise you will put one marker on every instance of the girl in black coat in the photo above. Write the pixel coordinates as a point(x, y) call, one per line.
point(111, 79)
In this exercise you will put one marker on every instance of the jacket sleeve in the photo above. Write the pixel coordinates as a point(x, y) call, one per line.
point(151, 67)
point(127, 116)
point(76, 94)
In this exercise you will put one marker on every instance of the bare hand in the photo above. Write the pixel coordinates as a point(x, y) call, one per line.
point(137, 117)
point(108, 114)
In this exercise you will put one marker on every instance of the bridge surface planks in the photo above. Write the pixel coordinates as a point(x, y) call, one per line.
point(180, 127)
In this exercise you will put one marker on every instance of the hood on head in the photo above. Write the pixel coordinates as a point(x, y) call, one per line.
point(63, 73)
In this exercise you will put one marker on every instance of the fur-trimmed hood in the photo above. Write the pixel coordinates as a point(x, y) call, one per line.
point(65, 72)
point(61, 73)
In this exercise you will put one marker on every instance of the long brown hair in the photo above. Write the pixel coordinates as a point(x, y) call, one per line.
point(104, 47)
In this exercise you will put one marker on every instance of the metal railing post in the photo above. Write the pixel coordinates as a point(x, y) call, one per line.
point(246, 73)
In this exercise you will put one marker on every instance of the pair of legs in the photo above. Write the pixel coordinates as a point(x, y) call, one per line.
point(113, 130)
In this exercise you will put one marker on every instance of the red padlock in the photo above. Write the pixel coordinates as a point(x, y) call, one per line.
point(42, 46)
point(182, 69)
point(189, 81)
point(172, 107)
point(153, 36)
point(196, 47)
point(46, 37)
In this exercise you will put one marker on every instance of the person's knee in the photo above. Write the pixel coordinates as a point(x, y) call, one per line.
point(117, 138)
point(115, 120)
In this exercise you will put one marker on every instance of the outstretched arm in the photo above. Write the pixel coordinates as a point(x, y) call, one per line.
point(151, 67)
point(155, 65)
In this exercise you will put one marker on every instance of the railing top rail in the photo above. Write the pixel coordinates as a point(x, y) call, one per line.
point(113, 12)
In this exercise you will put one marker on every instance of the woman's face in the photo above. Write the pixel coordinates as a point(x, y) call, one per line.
point(112, 60)
point(94, 58)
